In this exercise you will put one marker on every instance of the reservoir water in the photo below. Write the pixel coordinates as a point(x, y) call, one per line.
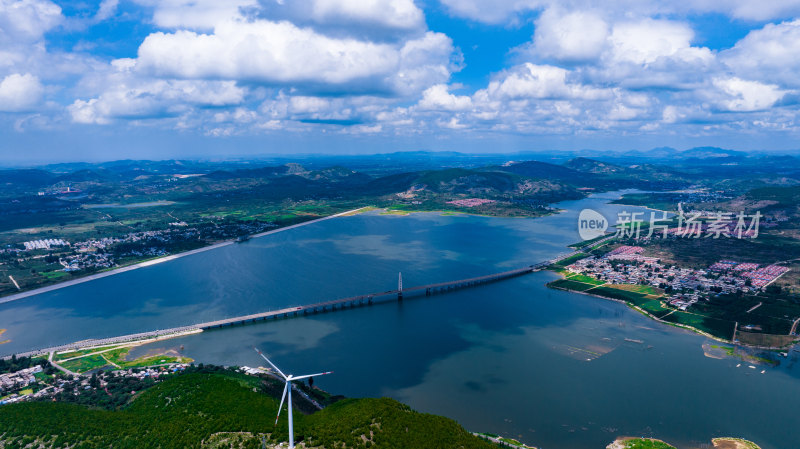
point(554, 369)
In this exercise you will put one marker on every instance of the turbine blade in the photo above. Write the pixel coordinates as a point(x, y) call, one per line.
point(281, 406)
point(311, 375)
point(270, 363)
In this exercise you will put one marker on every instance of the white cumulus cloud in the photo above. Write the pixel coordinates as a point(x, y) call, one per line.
point(27, 20)
point(282, 53)
point(107, 9)
point(572, 36)
point(195, 14)
point(645, 41)
point(19, 92)
point(770, 53)
point(136, 99)
point(436, 98)
point(510, 11)
point(744, 96)
point(23, 24)
point(263, 51)
point(398, 14)
point(740, 9)
point(492, 11)
point(541, 81)
point(224, 68)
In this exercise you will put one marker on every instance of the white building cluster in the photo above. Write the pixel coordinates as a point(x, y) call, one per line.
point(44, 244)
point(626, 265)
point(87, 260)
point(19, 379)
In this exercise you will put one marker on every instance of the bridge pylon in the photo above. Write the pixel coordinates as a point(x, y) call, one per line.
point(400, 286)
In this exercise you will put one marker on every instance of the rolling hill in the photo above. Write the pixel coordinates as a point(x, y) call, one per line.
point(202, 410)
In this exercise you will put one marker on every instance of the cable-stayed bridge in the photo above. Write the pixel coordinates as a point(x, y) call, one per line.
point(336, 304)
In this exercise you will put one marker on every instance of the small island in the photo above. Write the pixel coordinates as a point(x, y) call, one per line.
point(652, 443)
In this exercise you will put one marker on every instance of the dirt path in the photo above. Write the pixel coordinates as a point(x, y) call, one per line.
point(99, 352)
point(109, 361)
point(755, 307)
point(794, 327)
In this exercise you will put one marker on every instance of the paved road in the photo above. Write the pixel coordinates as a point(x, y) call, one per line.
point(50, 359)
point(148, 263)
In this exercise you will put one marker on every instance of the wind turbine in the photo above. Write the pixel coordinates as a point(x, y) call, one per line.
point(287, 390)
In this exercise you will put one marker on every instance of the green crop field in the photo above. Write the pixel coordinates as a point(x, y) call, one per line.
point(85, 364)
point(716, 327)
point(643, 289)
point(585, 279)
point(571, 285)
point(616, 293)
point(569, 260)
point(116, 358)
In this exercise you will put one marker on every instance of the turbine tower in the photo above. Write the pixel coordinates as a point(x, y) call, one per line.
point(287, 391)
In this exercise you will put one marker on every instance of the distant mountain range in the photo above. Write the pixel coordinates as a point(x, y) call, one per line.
point(521, 174)
point(418, 159)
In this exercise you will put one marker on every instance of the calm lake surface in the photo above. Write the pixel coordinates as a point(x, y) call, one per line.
point(550, 368)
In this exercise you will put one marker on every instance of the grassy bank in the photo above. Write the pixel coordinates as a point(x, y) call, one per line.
point(649, 301)
point(639, 443)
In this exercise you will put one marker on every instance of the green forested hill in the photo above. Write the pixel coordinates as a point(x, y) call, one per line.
point(213, 410)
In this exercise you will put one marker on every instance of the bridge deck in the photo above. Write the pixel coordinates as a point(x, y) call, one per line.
point(360, 298)
point(291, 311)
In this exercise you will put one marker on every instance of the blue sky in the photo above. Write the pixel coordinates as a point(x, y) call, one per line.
point(202, 78)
